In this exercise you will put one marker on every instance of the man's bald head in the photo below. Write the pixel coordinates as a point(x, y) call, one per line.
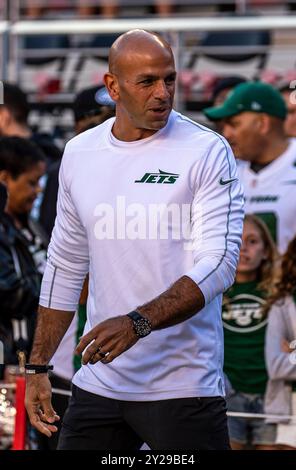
point(135, 42)
point(141, 80)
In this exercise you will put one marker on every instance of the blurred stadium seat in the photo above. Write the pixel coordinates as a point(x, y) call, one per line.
point(43, 44)
point(242, 46)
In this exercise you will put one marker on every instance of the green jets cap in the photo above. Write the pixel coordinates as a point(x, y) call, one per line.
point(250, 96)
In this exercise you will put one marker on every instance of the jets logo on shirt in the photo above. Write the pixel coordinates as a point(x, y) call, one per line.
point(244, 314)
point(163, 177)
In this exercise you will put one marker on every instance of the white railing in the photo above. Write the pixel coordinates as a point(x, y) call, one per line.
point(174, 27)
point(4, 26)
point(156, 24)
point(68, 393)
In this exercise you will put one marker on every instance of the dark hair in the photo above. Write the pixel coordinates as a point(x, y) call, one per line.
point(92, 101)
point(18, 155)
point(3, 199)
point(226, 82)
point(15, 100)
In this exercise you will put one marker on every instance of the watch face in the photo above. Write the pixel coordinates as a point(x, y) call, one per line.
point(142, 327)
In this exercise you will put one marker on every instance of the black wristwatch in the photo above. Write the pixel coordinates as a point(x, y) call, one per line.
point(142, 325)
point(31, 369)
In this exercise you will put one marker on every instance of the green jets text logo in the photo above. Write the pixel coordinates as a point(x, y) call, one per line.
point(163, 177)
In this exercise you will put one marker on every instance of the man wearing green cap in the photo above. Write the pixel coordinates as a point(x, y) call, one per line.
point(252, 120)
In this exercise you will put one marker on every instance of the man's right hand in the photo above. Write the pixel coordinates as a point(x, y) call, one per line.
point(38, 404)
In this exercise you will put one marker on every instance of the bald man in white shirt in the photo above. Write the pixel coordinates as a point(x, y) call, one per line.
point(150, 205)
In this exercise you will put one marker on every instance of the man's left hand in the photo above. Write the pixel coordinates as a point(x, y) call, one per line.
point(107, 340)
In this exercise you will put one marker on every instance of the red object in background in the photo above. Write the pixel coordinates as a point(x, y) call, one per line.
point(53, 85)
point(19, 439)
point(47, 85)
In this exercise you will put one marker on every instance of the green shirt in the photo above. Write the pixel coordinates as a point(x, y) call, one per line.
point(244, 338)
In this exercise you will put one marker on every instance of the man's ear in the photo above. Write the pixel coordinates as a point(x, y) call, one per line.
point(111, 83)
point(265, 123)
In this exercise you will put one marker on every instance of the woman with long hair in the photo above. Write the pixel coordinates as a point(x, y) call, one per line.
point(245, 324)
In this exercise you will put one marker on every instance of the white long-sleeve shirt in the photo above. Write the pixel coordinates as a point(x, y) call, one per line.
point(271, 194)
point(137, 216)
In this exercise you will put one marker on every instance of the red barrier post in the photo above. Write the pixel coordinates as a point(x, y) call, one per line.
point(19, 439)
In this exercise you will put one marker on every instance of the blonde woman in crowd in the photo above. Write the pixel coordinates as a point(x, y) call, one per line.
point(244, 336)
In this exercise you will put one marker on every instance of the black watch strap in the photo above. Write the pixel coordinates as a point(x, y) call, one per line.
point(134, 315)
point(32, 369)
point(142, 326)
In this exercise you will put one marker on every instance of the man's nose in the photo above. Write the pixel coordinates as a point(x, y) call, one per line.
point(161, 90)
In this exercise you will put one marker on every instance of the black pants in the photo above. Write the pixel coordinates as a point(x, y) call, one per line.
point(93, 422)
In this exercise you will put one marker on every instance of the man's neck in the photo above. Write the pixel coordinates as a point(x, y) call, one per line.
point(130, 135)
point(273, 149)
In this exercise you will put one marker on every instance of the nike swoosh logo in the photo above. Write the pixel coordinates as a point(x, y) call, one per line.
point(223, 182)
